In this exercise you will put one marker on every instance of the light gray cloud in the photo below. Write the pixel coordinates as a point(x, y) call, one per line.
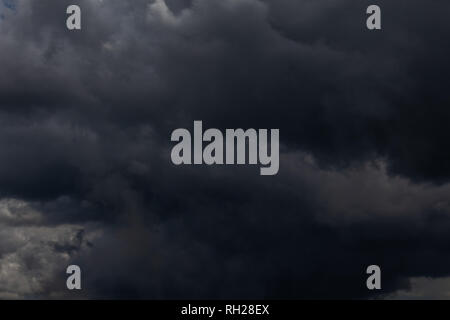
point(423, 288)
point(33, 257)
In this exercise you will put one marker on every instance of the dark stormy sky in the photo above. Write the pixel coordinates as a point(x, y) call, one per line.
point(85, 170)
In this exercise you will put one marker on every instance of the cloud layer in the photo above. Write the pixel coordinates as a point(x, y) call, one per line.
point(85, 170)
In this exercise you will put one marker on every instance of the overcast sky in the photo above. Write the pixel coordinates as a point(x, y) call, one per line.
point(85, 170)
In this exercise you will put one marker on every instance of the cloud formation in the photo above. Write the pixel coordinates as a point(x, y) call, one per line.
point(85, 170)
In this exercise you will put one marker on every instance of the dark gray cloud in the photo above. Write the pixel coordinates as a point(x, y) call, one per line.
point(86, 177)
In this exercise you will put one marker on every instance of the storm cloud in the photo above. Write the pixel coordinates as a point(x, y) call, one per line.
point(85, 170)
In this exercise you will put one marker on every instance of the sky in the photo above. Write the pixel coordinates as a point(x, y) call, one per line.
point(86, 176)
